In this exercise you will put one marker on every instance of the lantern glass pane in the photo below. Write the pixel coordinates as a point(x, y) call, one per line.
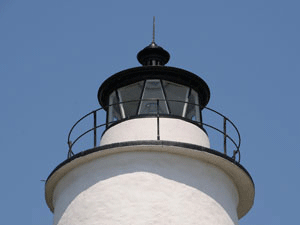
point(114, 113)
point(177, 96)
point(151, 94)
point(193, 110)
point(130, 96)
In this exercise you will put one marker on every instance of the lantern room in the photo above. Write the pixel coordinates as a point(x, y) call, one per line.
point(153, 89)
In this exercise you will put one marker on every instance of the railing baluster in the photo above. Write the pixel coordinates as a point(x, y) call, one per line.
point(157, 112)
point(95, 128)
point(225, 136)
point(70, 153)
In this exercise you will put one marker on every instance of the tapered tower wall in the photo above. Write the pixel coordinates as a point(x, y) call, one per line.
point(141, 187)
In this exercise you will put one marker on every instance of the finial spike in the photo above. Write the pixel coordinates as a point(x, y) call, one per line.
point(153, 37)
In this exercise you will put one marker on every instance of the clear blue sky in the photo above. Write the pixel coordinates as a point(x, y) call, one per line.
point(55, 54)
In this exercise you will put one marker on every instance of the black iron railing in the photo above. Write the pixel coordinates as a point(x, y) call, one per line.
point(222, 128)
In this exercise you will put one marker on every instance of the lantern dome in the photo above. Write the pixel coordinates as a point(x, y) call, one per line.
point(153, 55)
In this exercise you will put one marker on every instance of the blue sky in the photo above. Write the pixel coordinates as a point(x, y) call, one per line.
point(54, 55)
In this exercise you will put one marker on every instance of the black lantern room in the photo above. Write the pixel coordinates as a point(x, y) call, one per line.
point(153, 89)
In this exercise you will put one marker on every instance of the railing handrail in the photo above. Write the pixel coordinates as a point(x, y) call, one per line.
point(95, 127)
point(238, 133)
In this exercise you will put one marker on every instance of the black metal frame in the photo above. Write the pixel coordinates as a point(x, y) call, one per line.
point(200, 124)
point(172, 74)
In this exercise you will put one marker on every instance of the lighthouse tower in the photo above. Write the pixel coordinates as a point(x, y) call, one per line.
point(153, 163)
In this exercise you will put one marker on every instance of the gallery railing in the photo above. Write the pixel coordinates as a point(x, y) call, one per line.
point(222, 128)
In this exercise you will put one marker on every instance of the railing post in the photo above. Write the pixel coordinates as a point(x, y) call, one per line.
point(157, 113)
point(225, 136)
point(95, 128)
point(201, 120)
point(70, 153)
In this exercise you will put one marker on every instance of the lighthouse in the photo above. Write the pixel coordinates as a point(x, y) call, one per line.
point(150, 159)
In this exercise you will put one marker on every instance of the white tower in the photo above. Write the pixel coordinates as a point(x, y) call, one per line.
point(154, 164)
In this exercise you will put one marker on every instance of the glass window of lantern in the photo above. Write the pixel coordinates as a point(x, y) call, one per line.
point(177, 97)
point(129, 97)
point(152, 92)
point(114, 112)
point(193, 108)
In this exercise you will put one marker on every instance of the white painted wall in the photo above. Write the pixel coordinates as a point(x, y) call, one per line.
point(145, 188)
point(146, 129)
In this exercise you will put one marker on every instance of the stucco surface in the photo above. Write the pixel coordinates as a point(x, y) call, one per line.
point(145, 188)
